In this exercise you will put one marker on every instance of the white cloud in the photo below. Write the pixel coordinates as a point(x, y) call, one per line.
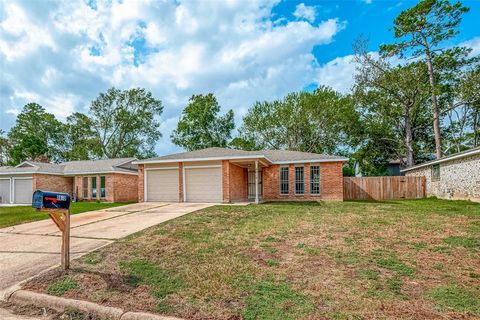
point(63, 54)
point(27, 36)
point(337, 74)
point(474, 44)
point(308, 13)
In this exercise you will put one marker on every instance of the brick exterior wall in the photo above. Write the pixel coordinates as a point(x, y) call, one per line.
point(459, 179)
point(118, 187)
point(141, 181)
point(124, 186)
point(48, 182)
point(180, 182)
point(226, 180)
point(237, 183)
point(331, 182)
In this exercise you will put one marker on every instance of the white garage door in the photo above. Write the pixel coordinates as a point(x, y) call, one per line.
point(22, 191)
point(203, 184)
point(4, 190)
point(162, 185)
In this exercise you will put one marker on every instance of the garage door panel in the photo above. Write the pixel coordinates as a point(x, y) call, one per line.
point(4, 190)
point(204, 184)
point(22, 189)
point(162, 185)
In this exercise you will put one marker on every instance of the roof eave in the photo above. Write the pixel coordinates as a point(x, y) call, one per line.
point(312, 160)
point(153, 161)
point(450, 158)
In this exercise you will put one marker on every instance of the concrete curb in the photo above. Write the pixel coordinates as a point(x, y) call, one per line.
point(24, 297)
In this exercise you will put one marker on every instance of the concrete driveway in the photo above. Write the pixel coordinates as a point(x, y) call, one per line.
point(30, 248)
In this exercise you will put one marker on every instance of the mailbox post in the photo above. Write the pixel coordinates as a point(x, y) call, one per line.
point(57, 205)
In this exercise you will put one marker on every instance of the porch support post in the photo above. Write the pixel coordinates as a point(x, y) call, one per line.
point(256, 181)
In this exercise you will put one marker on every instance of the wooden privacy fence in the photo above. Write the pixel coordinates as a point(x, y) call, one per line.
point(383, 188)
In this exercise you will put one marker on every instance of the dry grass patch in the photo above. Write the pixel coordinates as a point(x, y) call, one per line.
point(352, 260)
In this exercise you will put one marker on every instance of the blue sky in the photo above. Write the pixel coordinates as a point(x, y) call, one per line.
point(63, 54)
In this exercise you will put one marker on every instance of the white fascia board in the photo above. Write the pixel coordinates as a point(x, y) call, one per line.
point(19, 173)
point(311, 161)
point(454, 157)
point(202, 159)
point(98, 172)
point(64, 174)
point(122, 163)
point(25, 162)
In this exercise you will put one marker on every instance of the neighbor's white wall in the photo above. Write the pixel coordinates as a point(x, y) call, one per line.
point(459, 179)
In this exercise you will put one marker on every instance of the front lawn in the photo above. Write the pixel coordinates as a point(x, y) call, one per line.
point(413, 259)
point(10, 216)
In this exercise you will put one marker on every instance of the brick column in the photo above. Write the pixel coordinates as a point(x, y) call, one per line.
point(226, 180)
point(291, 180)
point(180, 182)
point(306, 178)
point(141, 186)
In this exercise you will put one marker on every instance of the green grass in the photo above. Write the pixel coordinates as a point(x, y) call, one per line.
point(60, 287)
point(269, 300)
point(347, 260)
point(163, 282)
point(466, 242)
point(456, 298)
point(10, 216)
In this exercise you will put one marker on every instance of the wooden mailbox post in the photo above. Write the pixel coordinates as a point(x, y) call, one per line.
point(57, 205)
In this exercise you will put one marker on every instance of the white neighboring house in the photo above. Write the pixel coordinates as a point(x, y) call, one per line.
point(454, 177)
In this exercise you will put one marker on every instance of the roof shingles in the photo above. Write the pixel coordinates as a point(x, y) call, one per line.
point(272, 155)
point(73, 167)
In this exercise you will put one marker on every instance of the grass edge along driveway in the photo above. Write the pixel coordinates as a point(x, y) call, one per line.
point(14, 215)
point(413, 259)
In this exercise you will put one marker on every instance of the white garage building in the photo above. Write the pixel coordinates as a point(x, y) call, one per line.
point(16, 183)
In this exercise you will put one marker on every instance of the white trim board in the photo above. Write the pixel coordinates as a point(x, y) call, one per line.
point(200, 159)
point(200, 167)
point(254, 157)
point(446, 159)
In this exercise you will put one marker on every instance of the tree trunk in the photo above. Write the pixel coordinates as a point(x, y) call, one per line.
point(435, 111)
point(408, 139)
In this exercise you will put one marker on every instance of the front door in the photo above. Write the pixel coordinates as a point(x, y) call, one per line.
point(251, 184)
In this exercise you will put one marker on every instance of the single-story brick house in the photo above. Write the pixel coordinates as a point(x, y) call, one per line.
point(454, 177)
point(112, 180)
point(228, 175)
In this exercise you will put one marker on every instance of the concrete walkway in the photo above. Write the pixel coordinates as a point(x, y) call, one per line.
point(30, 248)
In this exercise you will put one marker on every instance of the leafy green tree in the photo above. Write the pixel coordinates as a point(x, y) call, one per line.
point(83, 143)
point(463, 112)
point(126, 122)
point(394, 98)
point(35, 133)
point(4, 149)
point(423, 28)
point(201, 126)
point(320, 121)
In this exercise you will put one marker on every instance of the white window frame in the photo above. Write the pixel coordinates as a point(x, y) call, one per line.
point(315, 182)
point(300, 182)
point(282, 181)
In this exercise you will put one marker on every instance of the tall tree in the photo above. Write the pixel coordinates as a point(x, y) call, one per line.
point(463, 111)
point(4, 149)
point(423, 29)
point(83, 143)
point(35, 133)
point(395, 96)
point(310, 122)
point(201, 126)
point(126, 122)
